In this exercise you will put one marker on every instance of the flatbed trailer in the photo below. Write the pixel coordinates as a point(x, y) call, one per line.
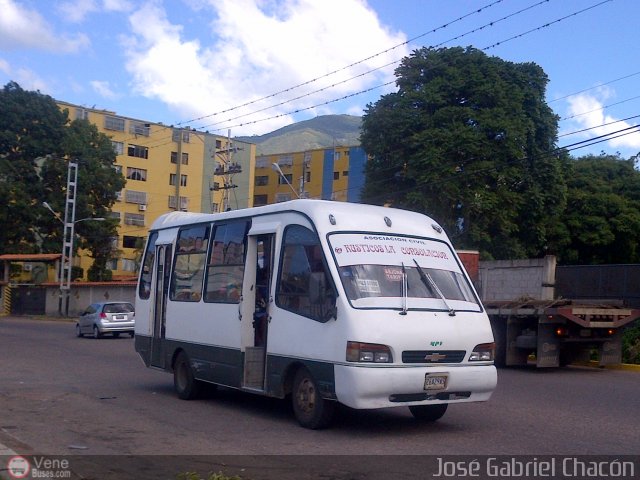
point(558, 332)
point(541, 314)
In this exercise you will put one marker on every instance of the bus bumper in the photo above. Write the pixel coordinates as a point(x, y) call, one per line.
point(365, 387)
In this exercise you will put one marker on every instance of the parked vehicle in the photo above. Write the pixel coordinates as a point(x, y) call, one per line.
point(324, 301)
point(107, 317)
point(539, 319)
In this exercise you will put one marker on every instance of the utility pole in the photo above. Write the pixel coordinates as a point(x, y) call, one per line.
point(67, 240)
point(226, 169)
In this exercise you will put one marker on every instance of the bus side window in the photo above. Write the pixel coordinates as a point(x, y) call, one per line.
point(225, 267)
point(304, 285)
point(188, 269)
point(144, 288)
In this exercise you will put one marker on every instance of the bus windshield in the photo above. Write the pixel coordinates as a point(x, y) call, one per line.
point(398, 272)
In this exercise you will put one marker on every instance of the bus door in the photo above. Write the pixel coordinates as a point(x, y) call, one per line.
point(258, 297)
point(161, 289)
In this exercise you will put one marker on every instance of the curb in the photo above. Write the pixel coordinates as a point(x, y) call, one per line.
point(621, 366)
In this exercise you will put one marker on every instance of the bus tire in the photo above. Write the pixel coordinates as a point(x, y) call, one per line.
point(428, 413)
point(185, 384)
point(311, 410)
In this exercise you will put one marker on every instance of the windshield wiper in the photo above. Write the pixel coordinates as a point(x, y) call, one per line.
point(404, 290)
point(429, 282)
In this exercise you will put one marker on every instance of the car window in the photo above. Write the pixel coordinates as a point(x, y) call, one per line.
point(90, 309)
point(117, 308)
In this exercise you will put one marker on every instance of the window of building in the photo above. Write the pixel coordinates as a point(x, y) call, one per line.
point(218, 144)
point(139, 174)
point(283, 197)
point(345, 173)
point(175, 136)
point(134, 219)
point(282, 181)
point(259, 200)
point(304, 286)
point(285, 160)
point(118, 168)
point(183, 180)
point(185, 158)
point(132, 196)
point(225, 268)
point(336, 175)
point(172, 179)
point(307, 177)
point(189, 266)
point(112, 264)
point(115, 215)
point(262, 180)
point(130, 241)
point(82, 114)
point(184, 202)
point(262, 162)
point(139, 128)
point(114, 123)
point(138, 151)
point(129, 265)
point(118, 147)
point(336, 155)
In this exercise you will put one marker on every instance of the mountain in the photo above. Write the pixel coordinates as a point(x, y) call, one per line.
point(324, 131)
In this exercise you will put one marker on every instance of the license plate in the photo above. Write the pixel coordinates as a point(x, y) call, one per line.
point(119, 317)
point(435, 381)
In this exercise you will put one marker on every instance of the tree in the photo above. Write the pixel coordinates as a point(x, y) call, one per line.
point(469, 140)
point(603, 211)
point(36, 143)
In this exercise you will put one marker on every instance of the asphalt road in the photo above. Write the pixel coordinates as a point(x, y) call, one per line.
point(62, 395)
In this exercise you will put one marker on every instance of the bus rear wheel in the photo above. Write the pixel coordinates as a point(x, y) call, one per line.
point(311, 410)
point(428, 413)
point(185, 384)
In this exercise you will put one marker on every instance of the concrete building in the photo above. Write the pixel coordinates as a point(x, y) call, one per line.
point(166, 169)
point(328, 173)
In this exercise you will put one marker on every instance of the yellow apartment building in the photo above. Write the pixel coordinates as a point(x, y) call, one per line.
point(166, 169)
point(335, 173)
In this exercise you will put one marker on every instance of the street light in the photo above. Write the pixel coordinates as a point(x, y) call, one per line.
point(64, 289)
point(277, 168)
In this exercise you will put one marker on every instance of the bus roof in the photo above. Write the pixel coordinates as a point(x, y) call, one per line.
point(347, 217)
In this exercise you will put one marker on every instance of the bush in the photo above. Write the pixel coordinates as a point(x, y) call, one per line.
point(631, 343)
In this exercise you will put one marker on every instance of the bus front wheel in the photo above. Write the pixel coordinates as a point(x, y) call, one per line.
point(311, 410)
point(428, 413)
point(185, 384)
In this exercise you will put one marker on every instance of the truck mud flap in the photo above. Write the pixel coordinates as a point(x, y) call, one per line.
point(611, 350)
point(548, 353)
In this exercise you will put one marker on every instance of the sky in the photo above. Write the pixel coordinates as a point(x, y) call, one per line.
point(248, 67)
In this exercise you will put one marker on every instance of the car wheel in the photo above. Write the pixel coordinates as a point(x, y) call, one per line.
point(79, 331)
point(311, 410)
point(132, 334)
point(96, 332)
point(428, 413)
point(185, 384)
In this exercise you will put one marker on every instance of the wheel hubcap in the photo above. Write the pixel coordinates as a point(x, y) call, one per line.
point(306, 396)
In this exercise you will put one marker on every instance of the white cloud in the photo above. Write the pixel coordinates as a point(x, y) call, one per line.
point(21, 27)
point(27, 79)
point(76, 11)
point(103, 88)
point(258, 48)
point(587, 110)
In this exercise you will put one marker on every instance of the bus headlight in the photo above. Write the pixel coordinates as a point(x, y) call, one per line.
point(485, 352)
point(368, 352)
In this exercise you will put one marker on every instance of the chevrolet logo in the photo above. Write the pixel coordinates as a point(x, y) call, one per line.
point(434, 357)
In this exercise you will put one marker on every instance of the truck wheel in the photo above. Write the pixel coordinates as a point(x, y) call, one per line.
point(311, 410)
point(428, 413)
point(185, 384)
point(499, 328)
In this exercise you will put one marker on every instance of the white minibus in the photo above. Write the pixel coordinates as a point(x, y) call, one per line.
point(324, 301)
